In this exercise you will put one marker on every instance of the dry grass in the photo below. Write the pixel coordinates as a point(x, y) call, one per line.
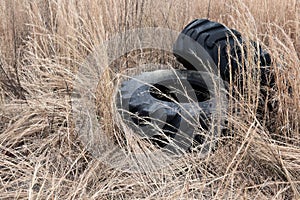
point(42, 44)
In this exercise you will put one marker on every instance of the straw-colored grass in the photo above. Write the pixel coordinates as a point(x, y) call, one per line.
point(42, 43)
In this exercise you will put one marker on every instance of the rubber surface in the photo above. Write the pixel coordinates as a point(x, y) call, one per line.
point(225, 46)
point(153, 105)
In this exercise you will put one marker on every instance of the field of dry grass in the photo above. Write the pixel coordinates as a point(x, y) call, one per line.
point(42, 43)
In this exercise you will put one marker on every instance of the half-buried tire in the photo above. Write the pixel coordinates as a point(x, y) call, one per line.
point(225, 46)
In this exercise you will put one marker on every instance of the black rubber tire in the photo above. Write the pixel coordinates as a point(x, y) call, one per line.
point(137, 93)
point(217, 39)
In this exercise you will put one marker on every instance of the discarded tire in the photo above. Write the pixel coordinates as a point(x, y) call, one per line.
point(161, 107)
point(225, 46)
point(149, 104)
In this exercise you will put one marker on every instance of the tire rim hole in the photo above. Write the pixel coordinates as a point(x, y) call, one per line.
point(163, 93)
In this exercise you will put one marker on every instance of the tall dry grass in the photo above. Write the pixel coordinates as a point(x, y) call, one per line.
point(42, 43)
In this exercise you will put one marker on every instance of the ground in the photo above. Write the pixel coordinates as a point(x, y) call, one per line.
point(43, 45)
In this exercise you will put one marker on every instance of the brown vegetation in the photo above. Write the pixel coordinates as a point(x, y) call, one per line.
point(42, 43)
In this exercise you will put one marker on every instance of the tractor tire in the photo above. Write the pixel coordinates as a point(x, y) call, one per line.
point(157, 99)
point(225, 46)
